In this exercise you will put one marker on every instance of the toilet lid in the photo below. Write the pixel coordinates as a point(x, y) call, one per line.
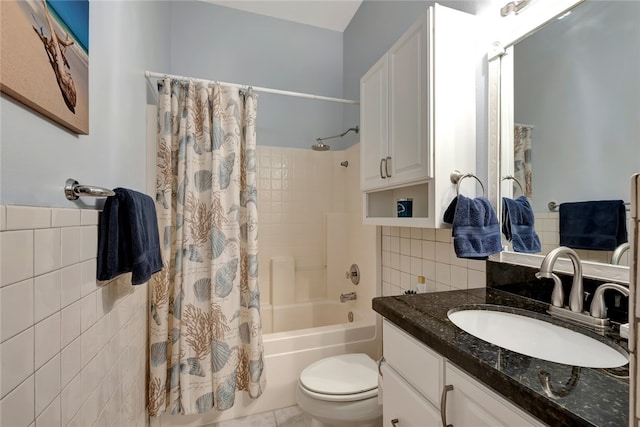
point(341, 375)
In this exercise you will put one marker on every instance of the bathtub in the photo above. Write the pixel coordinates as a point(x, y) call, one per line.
point(287, 353)
point(289, 317)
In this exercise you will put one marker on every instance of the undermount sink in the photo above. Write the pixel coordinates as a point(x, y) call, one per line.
point(537, 338)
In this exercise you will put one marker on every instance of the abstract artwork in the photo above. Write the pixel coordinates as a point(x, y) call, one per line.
point(44, 58)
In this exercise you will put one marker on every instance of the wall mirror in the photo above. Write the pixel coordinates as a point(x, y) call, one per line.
point(566, 77)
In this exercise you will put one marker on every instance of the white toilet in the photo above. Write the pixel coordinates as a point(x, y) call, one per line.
point(341, 391)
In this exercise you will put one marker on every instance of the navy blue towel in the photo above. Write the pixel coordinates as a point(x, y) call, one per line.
point(518, 225)
point(476, 232)
point(598, 225)
point(128, 239)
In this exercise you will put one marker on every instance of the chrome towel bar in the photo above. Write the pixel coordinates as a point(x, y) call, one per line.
point(73, 190)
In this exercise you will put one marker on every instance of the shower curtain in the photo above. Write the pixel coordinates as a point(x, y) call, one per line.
point(522, 157)
point(205, 329)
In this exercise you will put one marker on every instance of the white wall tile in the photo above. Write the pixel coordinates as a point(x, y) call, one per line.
point(70, 243)
point(46, 250)
point(87, 311)
point(89, 242)
point(3, 217)
point(17, 361)
point(16, 256)
point(65, 217)
point(70, 323)
point(459, 277)
point(70, 362)
point(71, 400)
point(41, 358)
point(71, 283)
point(16, 308)
point(27, 217)
point(47, 340)
point(89, 274)
point(89, 217)
point(17, 408)
point(46, 295)
point(51, 416)
point(47, 384)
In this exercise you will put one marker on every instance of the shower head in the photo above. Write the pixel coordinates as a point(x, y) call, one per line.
point(320, 146)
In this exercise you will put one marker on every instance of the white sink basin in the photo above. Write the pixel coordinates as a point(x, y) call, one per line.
point(537, 338)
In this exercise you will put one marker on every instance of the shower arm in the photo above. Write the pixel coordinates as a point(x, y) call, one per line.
point(355, 129)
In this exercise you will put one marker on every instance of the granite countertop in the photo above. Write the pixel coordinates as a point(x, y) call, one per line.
point(599, 397)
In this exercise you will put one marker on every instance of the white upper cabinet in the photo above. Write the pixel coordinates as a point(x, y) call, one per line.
point(417, 119)
point(394, 108)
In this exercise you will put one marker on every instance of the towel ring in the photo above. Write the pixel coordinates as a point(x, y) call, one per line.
point(456, 177)
point(513, 178)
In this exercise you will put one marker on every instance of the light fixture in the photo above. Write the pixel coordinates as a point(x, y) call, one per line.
point(514, 6)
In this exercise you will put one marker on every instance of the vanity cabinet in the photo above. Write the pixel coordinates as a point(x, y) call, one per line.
point(417, 119)
point(419, 385)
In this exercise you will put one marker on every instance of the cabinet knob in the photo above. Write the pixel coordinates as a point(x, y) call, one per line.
point(443, 405)
point(387, 162)
point(394, 422)
point(383, 161)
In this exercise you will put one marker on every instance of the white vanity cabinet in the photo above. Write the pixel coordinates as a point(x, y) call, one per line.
point(417, 383)
point(417, 119)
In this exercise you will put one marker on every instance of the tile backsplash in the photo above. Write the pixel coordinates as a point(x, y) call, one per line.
point(73, 350)
point(411, 252)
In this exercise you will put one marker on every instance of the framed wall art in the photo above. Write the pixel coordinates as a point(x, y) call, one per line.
point(44, 58)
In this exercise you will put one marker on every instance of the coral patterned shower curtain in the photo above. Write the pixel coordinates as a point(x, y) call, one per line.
point(205, 327)
point(522, 157)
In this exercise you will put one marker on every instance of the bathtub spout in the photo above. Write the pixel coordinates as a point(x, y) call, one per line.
point(348, 297)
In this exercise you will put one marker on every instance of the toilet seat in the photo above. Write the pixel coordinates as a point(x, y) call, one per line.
point(343, 378)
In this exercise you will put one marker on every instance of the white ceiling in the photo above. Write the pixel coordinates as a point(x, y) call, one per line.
point(330, 14)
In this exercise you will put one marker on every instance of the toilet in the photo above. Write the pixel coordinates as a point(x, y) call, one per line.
point(341, 391)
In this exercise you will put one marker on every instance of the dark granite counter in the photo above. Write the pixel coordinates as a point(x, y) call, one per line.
point(578, 396)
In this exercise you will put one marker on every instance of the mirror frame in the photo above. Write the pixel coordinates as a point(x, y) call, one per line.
point(500, 125)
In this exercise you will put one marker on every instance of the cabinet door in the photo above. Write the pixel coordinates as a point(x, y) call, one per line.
point(408, 103)
point(402, 403)
point(471, 404)
point(373, 126)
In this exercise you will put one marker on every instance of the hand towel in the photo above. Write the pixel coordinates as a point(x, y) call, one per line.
point(450, 212)
point(595, 225)
point(476, 232)
point(128, 240)
point(518, 225)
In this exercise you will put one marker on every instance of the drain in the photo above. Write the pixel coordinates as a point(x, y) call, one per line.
point(350, 316)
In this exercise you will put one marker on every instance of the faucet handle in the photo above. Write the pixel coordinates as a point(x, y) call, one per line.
point(598, 307)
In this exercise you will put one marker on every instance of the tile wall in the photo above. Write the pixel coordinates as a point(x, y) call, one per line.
point(411, 252)
point(295, 194)
point(72, 350)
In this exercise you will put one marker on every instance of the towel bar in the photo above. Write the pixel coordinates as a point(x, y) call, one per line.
point(73, 190)
point(553, 205)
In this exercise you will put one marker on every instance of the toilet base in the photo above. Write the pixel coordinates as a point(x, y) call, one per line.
point(360, 413)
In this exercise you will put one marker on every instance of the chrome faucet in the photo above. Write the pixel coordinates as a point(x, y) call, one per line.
point(576, 296)
point(617, 254)
point(348, 297)
point(598, 308)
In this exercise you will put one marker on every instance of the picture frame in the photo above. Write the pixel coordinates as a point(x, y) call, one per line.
point(44, 58)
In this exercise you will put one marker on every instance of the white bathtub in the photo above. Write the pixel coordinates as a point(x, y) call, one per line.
point(288, 353)
point(289, 317)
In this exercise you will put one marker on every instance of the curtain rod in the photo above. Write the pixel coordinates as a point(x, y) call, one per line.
point(154, 75)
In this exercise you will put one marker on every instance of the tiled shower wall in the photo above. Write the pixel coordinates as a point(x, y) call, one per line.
point(411, 252)
point(72, 349)
point(295, 194)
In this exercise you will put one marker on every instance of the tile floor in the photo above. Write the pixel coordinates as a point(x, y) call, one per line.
point(286, 417)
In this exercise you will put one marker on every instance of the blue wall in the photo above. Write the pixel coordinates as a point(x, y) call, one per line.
point(37, 155)
point(247, 48)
